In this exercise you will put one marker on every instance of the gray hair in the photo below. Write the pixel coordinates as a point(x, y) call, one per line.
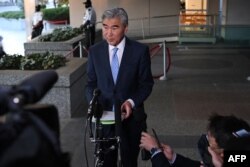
point(114, 13)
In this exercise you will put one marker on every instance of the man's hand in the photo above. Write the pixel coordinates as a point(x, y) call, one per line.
point(126, 109)
point(168, 152)
point(216, 159)
point(147, 141)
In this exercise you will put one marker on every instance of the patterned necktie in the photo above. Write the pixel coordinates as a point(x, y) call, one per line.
point(115, 64)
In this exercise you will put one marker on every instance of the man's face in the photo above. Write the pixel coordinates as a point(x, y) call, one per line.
point(214, 145)
point(113, 30)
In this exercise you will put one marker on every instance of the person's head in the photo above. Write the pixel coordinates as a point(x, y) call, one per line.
point(38, 8)
point(87, 4)
point(114, 25)
point(222, 129)
point(238, 144)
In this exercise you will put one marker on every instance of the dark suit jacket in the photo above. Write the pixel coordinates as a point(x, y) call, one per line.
point(159, 160)
point(134, 79)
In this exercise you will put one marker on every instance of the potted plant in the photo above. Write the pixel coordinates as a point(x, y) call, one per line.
point(61, 34)
point(37, 61)
point(58, 15)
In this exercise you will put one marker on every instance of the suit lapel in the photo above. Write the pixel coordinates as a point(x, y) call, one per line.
point(127, 53)
point(105, 61)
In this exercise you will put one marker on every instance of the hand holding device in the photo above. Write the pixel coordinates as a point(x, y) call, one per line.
point(157, 140)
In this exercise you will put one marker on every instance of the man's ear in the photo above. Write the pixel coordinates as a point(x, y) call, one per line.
point(126, 29)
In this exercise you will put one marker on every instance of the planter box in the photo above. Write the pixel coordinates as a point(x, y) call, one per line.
point(68, 92)
point(65, 22)
point(49, 26)
point(65, 48)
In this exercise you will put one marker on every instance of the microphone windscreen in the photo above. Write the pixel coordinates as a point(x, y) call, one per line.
point(36, 86)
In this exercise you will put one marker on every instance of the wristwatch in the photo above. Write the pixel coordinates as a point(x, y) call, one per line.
point(153, 150)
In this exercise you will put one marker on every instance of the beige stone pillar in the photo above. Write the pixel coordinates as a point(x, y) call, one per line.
point(29, 9)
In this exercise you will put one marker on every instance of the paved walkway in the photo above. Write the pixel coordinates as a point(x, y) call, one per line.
point(203, 79)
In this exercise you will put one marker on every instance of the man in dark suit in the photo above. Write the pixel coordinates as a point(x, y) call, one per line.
point(121, 69)
point(224, 133)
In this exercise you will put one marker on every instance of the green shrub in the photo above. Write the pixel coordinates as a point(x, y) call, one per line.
point(10, 62)
point(37, 61)
point(61, 13)
point(12, 15)
point(63, 2)
point(61, 34)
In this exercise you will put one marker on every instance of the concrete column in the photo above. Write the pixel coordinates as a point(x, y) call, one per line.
point(29, 9)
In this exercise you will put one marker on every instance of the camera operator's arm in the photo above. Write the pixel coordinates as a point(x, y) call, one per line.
point(149, 142)
point(167, 157)
point(169, 153)
point(160, 155)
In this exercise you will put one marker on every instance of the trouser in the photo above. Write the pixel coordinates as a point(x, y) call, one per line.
point(36, 32)
point(90, 35)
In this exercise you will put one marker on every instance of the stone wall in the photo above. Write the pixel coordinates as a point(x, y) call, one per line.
point(60, 48)
point(65, 48)
point(68, 92)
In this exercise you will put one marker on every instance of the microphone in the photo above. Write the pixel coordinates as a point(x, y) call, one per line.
point(96, 93)
point(32, 89)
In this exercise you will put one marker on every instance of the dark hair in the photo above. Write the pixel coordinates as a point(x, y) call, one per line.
point(114, 13)
point(88, 4)
point(222, 128)
point(238, 144)
point(38, 8)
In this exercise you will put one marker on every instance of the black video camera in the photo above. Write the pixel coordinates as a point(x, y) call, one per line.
point(29, 133)
point(203, 150)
